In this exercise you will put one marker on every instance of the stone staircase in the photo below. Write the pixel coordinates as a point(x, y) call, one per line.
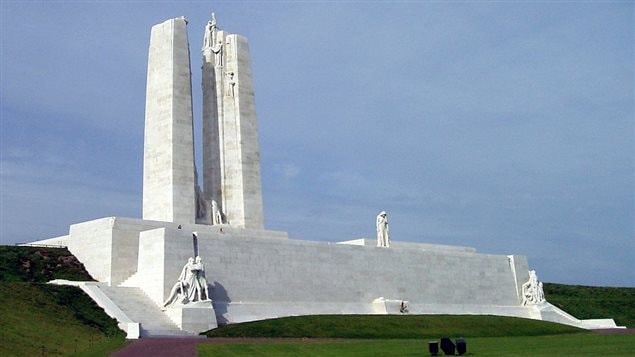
point(139, 308)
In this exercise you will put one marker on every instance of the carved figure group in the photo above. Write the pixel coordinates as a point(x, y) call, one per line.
point(191, 285)
point(532, 290)
point(383, 232)
point(210, 33)
point(212, 41)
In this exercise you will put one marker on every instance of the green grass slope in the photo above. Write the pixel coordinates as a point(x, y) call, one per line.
point(586, 302)
point(36, 264)
point(391, 327)
point(40, 319)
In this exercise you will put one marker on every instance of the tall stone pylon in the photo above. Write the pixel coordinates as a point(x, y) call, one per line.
point(169, 177)
point(231, 155)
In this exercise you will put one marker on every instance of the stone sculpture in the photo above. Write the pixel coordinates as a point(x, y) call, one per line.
point(217, 217)
point(383, 232)
point(231, 82)
point(203, 291)
point(404, 307)
point(191, 285)
point(209, 39)
point(532, 290)
point(217, 48)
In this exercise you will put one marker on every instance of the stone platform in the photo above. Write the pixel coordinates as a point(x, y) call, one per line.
point(258, 274)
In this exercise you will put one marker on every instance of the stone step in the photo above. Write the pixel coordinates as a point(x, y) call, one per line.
point(140, 308)
point(160, 333)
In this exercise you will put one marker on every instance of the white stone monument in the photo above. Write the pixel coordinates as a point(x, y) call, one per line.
point(231, 157)
point(254, 273)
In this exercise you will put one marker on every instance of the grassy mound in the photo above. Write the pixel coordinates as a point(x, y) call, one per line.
point(391, 327)
point(586, 302)
point(38, 319)
point(37, 264)
point(41, 319)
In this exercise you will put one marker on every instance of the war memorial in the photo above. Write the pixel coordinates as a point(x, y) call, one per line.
point(201, 256)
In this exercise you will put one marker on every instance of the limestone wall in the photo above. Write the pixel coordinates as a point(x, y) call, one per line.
point(258, 275)
point(250, 270)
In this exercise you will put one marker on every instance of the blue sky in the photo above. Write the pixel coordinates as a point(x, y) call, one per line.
point(504, 126)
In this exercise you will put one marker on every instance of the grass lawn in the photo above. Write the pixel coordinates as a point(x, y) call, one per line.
point(584, 344)
point(37, 319)
point(392, 327)
point(591, 302)
point(46, 320)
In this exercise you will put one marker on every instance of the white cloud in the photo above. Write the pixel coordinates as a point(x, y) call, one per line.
point(288, 171)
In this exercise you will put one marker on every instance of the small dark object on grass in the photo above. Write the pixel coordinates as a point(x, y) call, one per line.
point(433, 348)
point(461, 346)
point(447, 346)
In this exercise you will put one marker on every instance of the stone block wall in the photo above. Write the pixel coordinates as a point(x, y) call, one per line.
point(293, 277)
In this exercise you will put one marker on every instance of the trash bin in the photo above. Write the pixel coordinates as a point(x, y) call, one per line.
point(433, 348)
point(447, 346)
point(461, 346)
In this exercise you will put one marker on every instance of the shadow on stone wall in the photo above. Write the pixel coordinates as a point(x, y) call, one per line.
point(220, 299)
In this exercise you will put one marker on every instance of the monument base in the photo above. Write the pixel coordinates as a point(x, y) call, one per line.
point(194, 317)
point(259, 274)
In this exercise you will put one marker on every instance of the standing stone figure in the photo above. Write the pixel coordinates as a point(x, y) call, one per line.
point(383, 232)
point(217, 48)
point(231, 82)
point(532, 290)
point(217, 217)
point(210, 33)
point(203, 292)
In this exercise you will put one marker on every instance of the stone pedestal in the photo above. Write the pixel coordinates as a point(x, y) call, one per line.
point(194, 317)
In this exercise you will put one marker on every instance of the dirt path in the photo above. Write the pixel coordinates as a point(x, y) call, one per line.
point(161, 347)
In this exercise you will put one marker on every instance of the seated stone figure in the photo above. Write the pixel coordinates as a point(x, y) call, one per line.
point(532, 290)
point(182, 286)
